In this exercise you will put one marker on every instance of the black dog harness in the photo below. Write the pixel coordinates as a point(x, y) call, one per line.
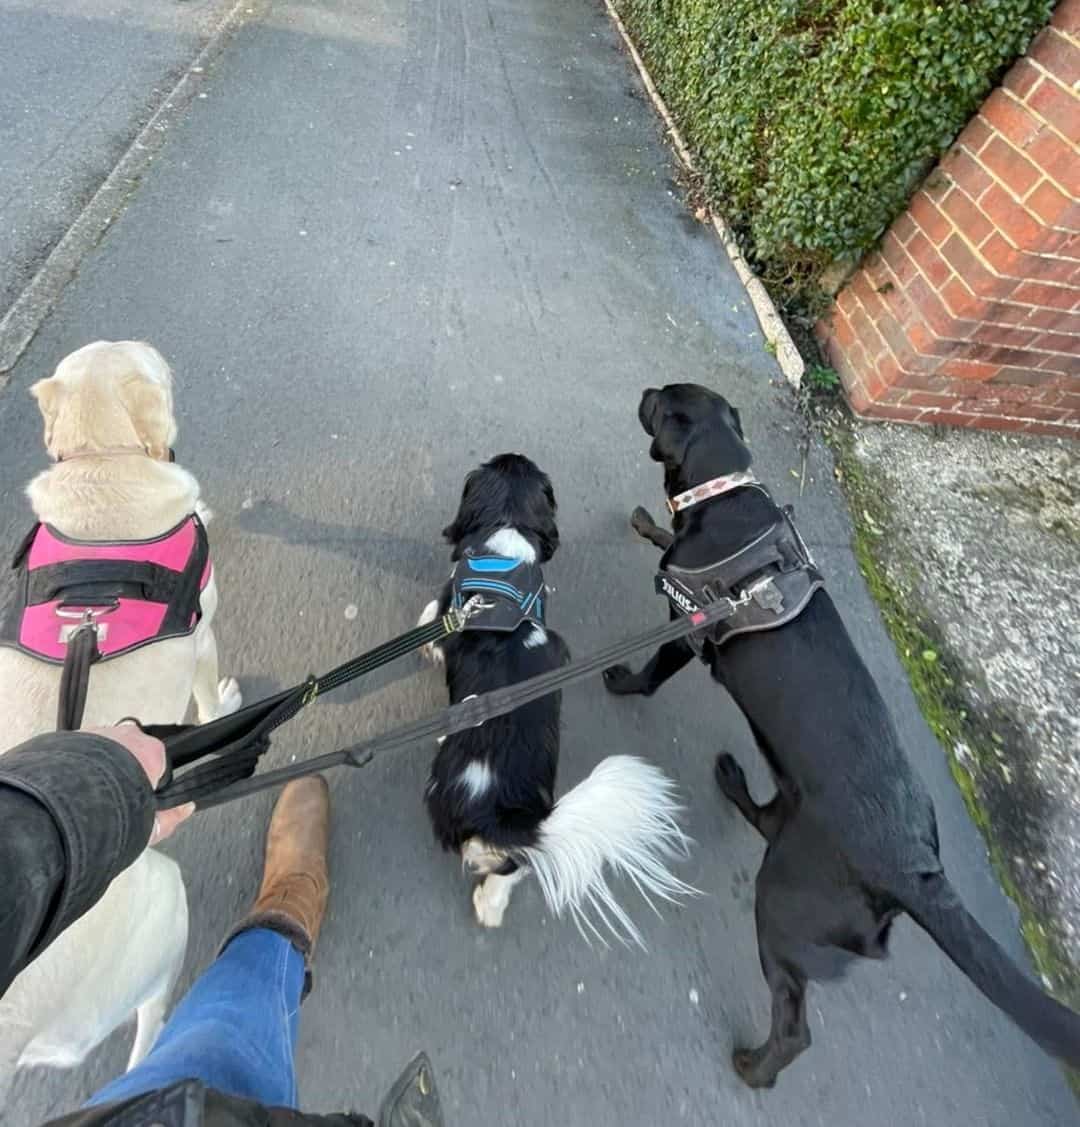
point(766, 584)
point(512, 591)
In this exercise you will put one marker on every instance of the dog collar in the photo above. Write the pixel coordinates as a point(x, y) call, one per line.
point(713, 488)
point(112, 452)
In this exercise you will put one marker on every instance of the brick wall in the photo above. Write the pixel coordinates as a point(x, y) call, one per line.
point(969, 313)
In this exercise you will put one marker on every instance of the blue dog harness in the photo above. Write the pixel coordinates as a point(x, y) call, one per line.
point(512, 591)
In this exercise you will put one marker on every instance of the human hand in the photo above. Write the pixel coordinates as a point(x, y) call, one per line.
point(150, 755)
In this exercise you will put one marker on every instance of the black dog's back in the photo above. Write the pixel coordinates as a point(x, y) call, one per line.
point(521, 749)
point(839, 746)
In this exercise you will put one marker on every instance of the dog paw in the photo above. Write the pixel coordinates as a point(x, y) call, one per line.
point(480, 859)
point(488, 913)
point(621, 680)
point(746, 1062)
point(729, 775)
point(641, 521)
point(432, 652)
point(229, 696)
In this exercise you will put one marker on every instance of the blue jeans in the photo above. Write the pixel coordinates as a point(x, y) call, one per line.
point(235, 1030)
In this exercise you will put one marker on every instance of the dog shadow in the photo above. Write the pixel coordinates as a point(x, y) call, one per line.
point(386, 552)
point(410, 559)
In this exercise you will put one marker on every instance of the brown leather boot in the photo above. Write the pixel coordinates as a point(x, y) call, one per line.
point(295, 884)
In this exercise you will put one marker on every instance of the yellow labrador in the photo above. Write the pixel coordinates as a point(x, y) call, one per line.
point(109, 427)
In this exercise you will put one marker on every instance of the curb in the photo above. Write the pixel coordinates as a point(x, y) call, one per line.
point(772, 324)
point(20, 324)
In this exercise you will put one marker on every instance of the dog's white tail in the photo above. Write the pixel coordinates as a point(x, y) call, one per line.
point(623, 816)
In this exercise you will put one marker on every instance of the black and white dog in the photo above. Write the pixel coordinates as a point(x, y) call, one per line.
point(851, 837)
point(491, 792)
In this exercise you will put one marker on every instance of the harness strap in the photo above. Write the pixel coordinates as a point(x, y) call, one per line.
point(79, 580)
point(459, 717)
point(24, 547)
point(185, 597)
point(82, 651)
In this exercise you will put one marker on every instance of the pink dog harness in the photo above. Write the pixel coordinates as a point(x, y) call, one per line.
point(133, 592)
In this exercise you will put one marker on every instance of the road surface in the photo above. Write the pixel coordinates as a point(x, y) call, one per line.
point(394, 239)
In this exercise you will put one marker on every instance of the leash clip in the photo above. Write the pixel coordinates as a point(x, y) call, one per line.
point(457, 617)
point(766, 594)
point(87, 621)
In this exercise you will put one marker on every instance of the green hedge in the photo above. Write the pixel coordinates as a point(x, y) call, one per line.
point(814, 120)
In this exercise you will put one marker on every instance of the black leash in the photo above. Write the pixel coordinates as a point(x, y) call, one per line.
point(81, 652)
point(237, 741)
point(216, 787)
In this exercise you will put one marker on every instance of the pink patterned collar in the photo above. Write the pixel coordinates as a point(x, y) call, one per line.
point(713, 488)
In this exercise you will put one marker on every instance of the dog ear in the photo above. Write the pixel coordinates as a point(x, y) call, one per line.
point(463, 522)
point(736, 421)
point(149, 406)
point(547, 531)
point(672, 438)
point(49, 394)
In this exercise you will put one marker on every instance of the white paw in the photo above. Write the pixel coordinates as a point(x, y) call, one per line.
point(479, 858)
point(489, 913)
point(432, 653)
point(229, 696)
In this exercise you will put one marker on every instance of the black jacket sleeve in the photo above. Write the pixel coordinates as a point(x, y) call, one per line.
point(75, 810)
point(188, 1103)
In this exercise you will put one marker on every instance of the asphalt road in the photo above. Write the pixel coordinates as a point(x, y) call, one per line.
point(394, 240)
point(80, 77)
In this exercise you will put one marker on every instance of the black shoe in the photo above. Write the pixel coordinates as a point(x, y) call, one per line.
point(413, 1101)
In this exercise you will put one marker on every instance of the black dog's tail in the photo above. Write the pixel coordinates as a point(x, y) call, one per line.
point(933, 904)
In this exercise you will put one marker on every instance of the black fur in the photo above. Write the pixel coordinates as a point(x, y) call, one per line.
point(522, 748)
point(851, 832)
point(507, 492)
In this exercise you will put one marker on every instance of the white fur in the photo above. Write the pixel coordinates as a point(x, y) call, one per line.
point(622, 817)
point(122, 958)
point(481, 858)
point(536, 638)
point(510, 543)
point(431, 652)
point(477, 779)
point(492, 897)
point(124, 955)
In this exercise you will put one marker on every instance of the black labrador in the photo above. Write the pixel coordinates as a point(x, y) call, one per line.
point(852, 837)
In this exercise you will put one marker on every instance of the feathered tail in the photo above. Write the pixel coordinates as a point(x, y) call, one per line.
point(622, 817)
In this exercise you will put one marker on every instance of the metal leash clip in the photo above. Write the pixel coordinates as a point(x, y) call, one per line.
point(457, 617)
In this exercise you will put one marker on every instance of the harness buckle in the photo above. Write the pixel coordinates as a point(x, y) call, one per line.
point(457, 617)
point(87, 621)
point(767, 595)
